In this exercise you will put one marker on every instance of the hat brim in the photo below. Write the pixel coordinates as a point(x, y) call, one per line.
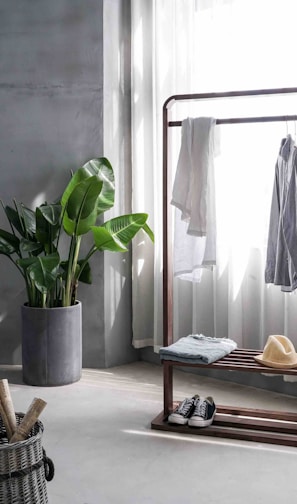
point(277, 365)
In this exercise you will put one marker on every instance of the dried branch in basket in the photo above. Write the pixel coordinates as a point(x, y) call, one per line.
point(7, 409)
point(5, 421)
point(23, 429)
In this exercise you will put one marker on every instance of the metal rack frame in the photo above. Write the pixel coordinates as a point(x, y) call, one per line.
point(241, 423)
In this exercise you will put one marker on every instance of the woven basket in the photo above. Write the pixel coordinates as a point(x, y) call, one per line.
point(22, 468)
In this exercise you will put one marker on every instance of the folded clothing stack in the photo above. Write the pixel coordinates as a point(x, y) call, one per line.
point(198, 349)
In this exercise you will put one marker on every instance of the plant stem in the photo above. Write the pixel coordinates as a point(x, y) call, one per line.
point(89, 254)
point(72, 265)
point(60, 227)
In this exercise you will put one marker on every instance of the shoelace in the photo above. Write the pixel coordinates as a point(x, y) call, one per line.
point(200, 408)
point(185, 406)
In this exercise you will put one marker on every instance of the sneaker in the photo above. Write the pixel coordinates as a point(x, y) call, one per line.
point(203, 413)
point(181, 414)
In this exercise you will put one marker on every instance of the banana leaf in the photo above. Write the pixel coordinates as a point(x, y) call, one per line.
point(31, 247)
point(81, 207)
point(9, 243)
point(115, 234)
point(43, 271)
point(102, 170)
point(48, 225)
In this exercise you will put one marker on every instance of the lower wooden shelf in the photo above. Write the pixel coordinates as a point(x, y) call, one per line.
point(263, 426)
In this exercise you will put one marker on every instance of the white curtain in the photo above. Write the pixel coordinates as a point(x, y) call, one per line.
point(187, 46)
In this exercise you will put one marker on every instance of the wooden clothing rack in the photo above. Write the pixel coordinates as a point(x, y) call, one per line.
point(231, 422)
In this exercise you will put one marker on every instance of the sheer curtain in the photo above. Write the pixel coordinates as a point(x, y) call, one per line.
point(184, 46)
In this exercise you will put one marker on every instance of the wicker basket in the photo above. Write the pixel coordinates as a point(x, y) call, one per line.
point(23, 468)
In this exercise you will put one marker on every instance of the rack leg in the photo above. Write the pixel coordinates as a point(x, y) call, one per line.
point(168, 387)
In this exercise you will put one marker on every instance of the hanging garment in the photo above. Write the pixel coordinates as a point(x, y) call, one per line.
point(193, 196)
point(281, 260)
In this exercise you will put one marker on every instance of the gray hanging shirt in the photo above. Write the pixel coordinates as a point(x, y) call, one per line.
point(281, 261)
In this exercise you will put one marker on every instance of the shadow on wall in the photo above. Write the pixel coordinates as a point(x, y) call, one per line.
point(118, 312)
point(32, 190)
point(13, 295)
point(119, 348)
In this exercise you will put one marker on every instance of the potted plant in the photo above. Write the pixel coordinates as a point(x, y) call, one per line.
point(51, 317)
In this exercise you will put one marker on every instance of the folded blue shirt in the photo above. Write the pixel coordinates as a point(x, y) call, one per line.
point(198, 349)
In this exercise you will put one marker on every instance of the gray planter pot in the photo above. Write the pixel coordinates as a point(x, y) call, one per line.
point(51, 345)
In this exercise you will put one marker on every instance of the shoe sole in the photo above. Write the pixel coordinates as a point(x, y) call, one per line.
point(192, 422)
point(177, 419)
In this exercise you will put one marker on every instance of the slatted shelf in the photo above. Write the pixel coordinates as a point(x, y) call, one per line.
point(238, 360)
point(258, 430)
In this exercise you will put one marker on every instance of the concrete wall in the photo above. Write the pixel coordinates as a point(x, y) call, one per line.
point(51, 117)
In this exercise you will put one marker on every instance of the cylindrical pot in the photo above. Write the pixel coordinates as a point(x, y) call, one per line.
point(51, 345)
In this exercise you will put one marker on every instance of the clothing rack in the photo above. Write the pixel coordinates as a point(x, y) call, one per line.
point(232, 422)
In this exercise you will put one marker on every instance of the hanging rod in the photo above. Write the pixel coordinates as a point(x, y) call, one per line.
point(238, 120)
point(229, 94)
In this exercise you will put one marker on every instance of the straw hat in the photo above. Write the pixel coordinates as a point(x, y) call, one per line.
point(279, 352)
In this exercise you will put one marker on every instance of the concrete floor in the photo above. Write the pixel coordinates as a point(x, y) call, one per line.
point(97, 432)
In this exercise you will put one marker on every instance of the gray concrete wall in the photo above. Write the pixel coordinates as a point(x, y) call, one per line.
point(51, 118)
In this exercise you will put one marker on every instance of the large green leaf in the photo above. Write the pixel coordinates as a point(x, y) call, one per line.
point(81, 207)
point(149, 232)
point(104, 240)
point(51, 213)
point(22, 219)
point(47, 224)
point(15, 220)
point(9, 243)
point(116, 234)
point(125, 227)
point(102, 169)
point(28, 216)
point(43, 271)
point(30, 246)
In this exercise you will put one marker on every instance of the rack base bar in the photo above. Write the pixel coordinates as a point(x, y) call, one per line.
point(262, 426)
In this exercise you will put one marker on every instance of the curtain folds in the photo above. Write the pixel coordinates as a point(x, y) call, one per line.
point(187, 46)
